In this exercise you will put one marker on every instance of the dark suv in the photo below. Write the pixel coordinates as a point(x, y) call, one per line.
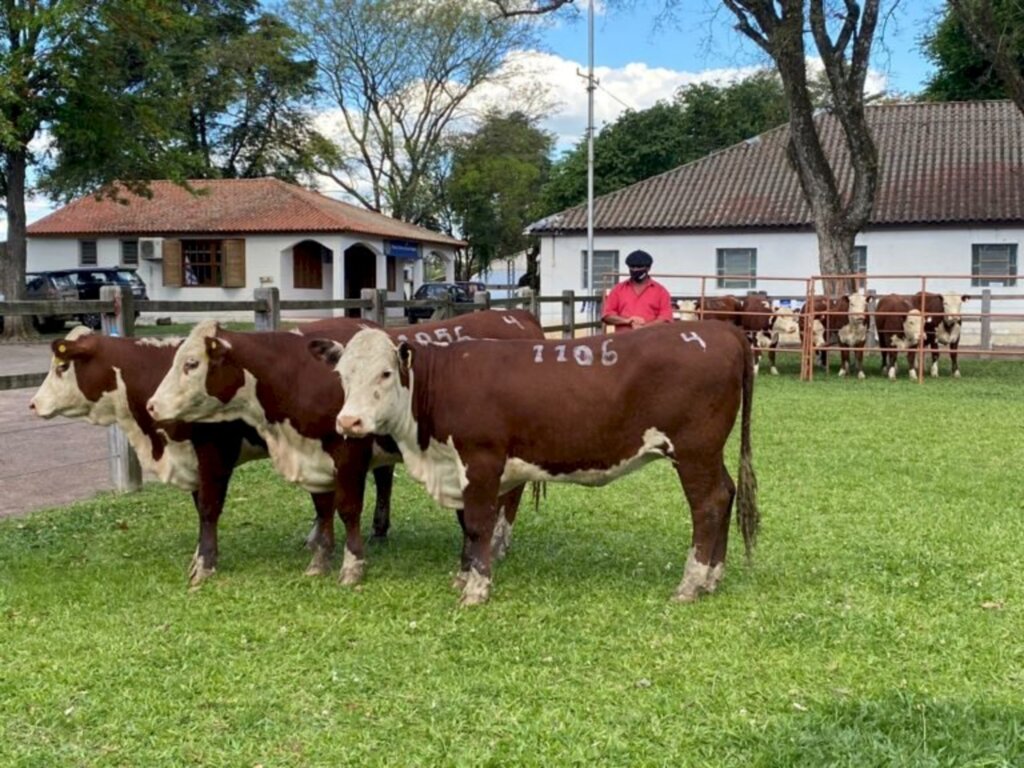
point(435, 292)
point(89, 280)
point(49, 286)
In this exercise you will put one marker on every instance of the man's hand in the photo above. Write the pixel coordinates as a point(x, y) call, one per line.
point(636, 321)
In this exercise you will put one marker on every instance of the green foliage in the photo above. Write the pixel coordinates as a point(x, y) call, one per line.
point(961, 72)
point(703, 118)
point(497, 173)
point(879, 623)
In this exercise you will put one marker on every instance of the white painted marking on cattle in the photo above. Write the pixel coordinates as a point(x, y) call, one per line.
point(560, 348)
point(511, 320)
point(538, 353)
point(689, 338)
point(584, 355)
point(443, 334)
point(608, 355)
point(423, 338)
point(459, 336)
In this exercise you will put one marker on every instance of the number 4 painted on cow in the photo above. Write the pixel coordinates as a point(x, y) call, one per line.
point(692, 337)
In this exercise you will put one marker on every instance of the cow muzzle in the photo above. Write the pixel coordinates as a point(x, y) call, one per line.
point(350, 426)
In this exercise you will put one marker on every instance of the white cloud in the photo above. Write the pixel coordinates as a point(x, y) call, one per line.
point(35, 209)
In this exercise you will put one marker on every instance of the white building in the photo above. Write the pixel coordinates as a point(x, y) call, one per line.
point(235, 235)
point(950, 201)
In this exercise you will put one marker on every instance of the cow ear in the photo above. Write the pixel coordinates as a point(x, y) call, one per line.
point(326, 351)
point(965, 297)
point(75, 349)
point(405, 357)
point(216, 349)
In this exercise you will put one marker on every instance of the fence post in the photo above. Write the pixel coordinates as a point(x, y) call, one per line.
point(569, 314)
point(377, 311)
point(482, 300)
point(125, 470)
point(534, 304)
point(986, 321)
point(268, 319)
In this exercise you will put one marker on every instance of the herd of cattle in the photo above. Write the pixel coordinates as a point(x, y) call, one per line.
point(902, 323)
point(475, 407)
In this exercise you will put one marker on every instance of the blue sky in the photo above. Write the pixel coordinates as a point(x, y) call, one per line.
point(639, 61)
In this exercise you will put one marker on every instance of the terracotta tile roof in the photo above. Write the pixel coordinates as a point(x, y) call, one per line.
point(956, 162)
point(227, 206)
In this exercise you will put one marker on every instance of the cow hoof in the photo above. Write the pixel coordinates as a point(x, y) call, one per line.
point(352, 570)
point(913, 373)
point(842, 372)
point(774, 371)
point(459, 582)
point(892, 374)
point(956, 374)
point(861, 376)
point(199, 570)
point(714, 578)
point(686, 595)
point(320, 564)
point(756, 369)
point(477, 589)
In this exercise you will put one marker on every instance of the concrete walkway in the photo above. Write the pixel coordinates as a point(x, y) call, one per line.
point(44, 463)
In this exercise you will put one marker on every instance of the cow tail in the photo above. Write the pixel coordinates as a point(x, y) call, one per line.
point(538, 488)
point(747, 514)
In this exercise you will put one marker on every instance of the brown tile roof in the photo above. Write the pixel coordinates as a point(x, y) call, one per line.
point(227, 206)
point(955, 162)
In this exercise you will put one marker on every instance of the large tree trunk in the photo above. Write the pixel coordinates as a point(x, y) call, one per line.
point(15, 163)
point(835, 251)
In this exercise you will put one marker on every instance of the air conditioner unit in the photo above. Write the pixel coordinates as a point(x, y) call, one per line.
point(151, 248)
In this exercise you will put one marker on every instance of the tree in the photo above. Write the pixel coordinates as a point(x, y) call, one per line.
point(497, 172)
point(974, 38)
point(399, 73)
point(842, 34)
point(701, 119)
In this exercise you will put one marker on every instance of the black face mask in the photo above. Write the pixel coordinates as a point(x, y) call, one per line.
point(638, 275)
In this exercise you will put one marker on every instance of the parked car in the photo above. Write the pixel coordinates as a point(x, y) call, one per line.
point(89, 280)
point(50, 286)
point(436, 292)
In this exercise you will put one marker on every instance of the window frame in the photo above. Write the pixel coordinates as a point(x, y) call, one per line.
point(610, 254)
point(979, 279)
point(83, 247)
point(214, 249)
point(125, 261)
point(740, 281)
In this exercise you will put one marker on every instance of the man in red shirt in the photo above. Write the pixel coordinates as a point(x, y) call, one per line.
point(638, 301)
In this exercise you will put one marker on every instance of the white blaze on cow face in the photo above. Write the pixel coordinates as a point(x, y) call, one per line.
point(912, 328)
point(182, 394)
point(375, 400)
point(60, 395)
point(949, 331)
point(686, 310)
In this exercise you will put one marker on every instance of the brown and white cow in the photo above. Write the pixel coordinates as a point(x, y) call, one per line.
point(845, 322)
point(725, 308)
point(900, 326)
point(942, 320)
point(473, 420)
point(108, 381)
point(269, 381)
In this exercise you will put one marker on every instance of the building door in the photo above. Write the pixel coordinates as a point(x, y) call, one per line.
point(360, 272)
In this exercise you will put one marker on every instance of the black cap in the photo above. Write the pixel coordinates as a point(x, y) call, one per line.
point(639, 259)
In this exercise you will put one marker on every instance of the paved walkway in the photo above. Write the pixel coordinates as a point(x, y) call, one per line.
point(44, 463)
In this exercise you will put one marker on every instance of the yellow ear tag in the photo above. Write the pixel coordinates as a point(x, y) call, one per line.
point(62, 349)
point(213, 344)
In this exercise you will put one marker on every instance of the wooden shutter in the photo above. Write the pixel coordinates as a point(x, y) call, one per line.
point(234, 263)
point(174, 275)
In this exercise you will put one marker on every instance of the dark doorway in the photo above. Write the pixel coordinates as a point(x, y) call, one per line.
point(360, 272)
point(308, 264)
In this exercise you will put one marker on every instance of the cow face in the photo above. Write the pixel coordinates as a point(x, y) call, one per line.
point(913, 325)
point(784, 323)
point(858, 311)
point(198, 374)
point(374, 373)
point(77, 384)
point(952, 306)
point(686, 310)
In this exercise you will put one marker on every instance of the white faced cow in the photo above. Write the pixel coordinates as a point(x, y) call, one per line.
point(475, 419)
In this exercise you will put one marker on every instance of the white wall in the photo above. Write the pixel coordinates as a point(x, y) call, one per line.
point(794, 255)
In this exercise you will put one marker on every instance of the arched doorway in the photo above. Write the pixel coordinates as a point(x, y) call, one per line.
point(360, 272)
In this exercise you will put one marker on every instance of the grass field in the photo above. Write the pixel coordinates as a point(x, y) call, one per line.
point(879, 625)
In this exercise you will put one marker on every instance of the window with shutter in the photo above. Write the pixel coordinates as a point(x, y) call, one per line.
point(737, 267)
point(994, 264)
point(174, 273)
point(234, 264)
point(307, 265)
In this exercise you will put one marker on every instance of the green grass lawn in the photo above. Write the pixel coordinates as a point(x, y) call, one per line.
point(880, 624)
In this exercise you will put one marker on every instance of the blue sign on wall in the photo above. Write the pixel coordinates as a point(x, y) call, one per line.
point(401, 249)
